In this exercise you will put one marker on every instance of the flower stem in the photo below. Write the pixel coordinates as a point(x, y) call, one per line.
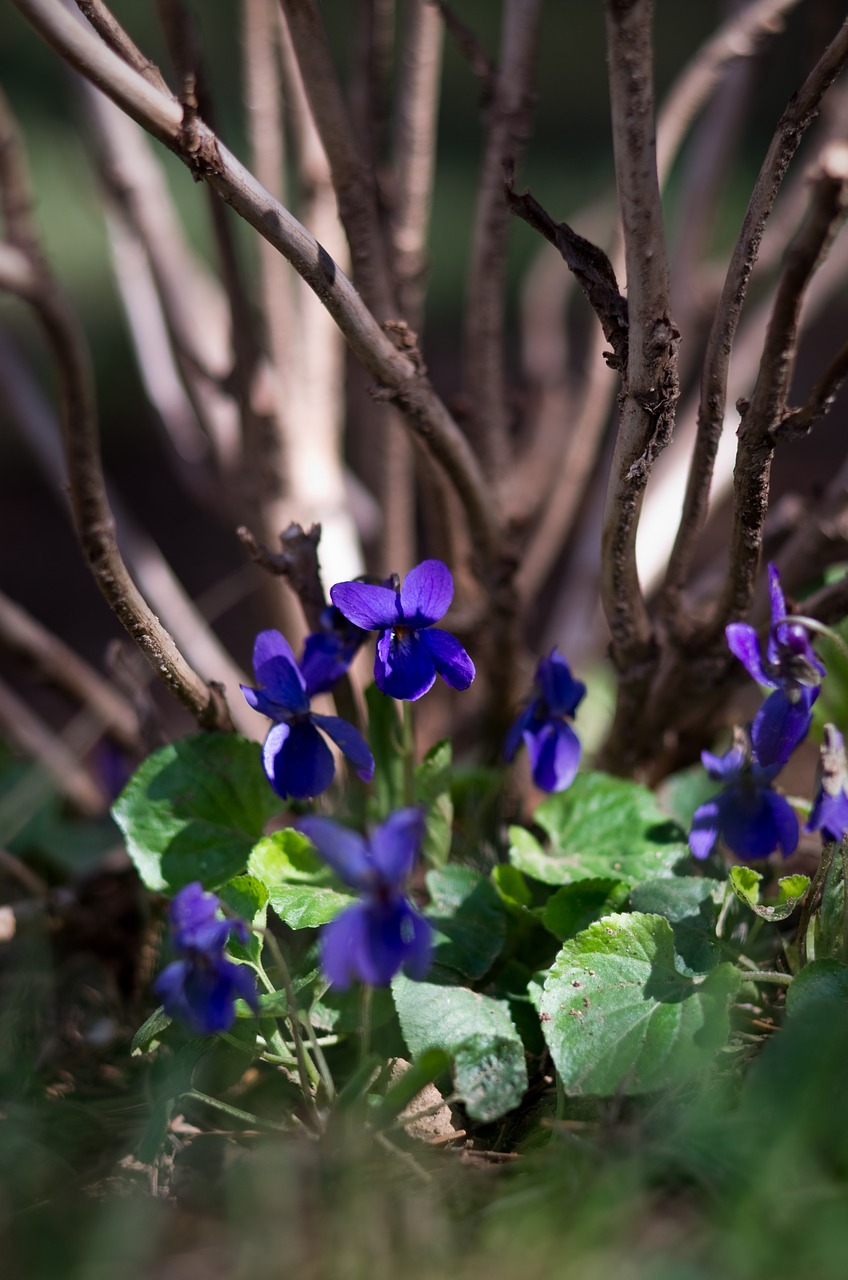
point(408, 753)
point(760, 975)
point(843, 850)
point(236, 1112)
point(306, 1070)
point(365, 1022)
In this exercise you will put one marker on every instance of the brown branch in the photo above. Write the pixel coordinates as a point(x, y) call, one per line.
point(650, 378)
point(114, 35)
point(508, 115)
point(27, 639)
point(469, 46)
point(762, 416)
point(59, 757)
point(297, 563)
point(207, 158)
point(588, 263)
point(798, 115)
point(798, 423)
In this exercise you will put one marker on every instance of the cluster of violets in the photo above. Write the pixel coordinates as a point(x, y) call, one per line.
point(751, 817)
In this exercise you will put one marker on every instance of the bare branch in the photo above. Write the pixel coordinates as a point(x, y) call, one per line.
point(59, 757)
point(111, 31)
point(207, 157)
point(509, 111)
point(32, 642)
point(469, 46)
point(798, 115)
point(650, 378)
point(799, 422)
point(762, 416)
point(297, 563)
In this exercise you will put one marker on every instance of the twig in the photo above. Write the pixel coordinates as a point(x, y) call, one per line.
point(799, 422)
point(111, 31)
point(650, 377)
point(297, 563)
point(469, 46)
point(799, 113)
point(509, 111)
point(59, 757)
point(28, 639)
point(207, 157)
point(762, 416)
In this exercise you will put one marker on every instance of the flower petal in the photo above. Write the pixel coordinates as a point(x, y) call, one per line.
point(297, 760)
point(554, 750)
point(449, 658)
point(351, 743)
point(370, 607)
point(277, 671)
point(389, 940)
point(191, 910)
point(829, 815)
point(259, 700)
point(403, 667)
point(744, 644)
point(426, 593)
point(395, 843)
point(324, 662)
point(344, 946)
point(780, 725)
point(561, 691)
point(753, 825)
point(518, 728)
point(419, 946)
point(704, 833)
point(342, 849)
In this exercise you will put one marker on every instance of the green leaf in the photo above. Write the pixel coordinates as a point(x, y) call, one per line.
point(619, 1017)
point(575, 906)
point(821, 980)
point(479, 1035)
point(512, 889)
point(432, 788)
point(384, 740)
point(194, 810)
point(791, 889)
point(247, 899)
point(297, 881)
point(691, 905)
point(467, 912)
point(682, 793)
point(150, 1030)
point(601, 827)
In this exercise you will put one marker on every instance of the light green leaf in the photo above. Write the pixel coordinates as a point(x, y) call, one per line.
point(479, 1035)
point(194, 809)
point(432, 788)
point(791, 889)
point(297, 881)
point(691, 905)
point(574, 907)
point(247, 899)
point(601, 828)
point(619, 1017)
point(384, 739)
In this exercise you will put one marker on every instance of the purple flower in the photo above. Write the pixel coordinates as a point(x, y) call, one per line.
point(200, 989)
point(830, 807)
point(751, 818)
point(790, 668)
point(383, 932)
point(409, 653)
point(328, 653)
point(296, 758)
point(553, 746)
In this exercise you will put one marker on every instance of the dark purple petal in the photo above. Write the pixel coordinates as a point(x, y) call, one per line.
point(426, 593)
point(743, 644)
point(776, 597)
point(259, 700)
point(829, 815)
point(726, 768)
point(191, 910)
point(704, 831)
point(395, 843)
point(518, 728)
point(351, 743)
point(554, 751)
point(277, 671)
point(753, 823)
point(449, 658)
point(297, 760)
point(342, 849)
point(344, 946)
point(324, 662)
point(389, 940)
point(202, 993)
point(372, 608)
point(560, 690)
point(403, 667)
point(779, 725)
point(419, 945)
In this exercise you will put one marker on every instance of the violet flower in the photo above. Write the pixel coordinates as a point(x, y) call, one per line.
point(552, 744)
point(830, 807)
point(383, 932)
point(200, 988)
point(328, 652)
point(751, 818)
point(410, 652)
point(790, 668)
point(297, 761)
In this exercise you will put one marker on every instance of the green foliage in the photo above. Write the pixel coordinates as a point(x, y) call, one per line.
point(193, 811)
point(298, 883)
point(600, 826)
point(476, 1032)
point(469, 918)
point(433, 789)
point(791, 890)
point(620, 1017)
